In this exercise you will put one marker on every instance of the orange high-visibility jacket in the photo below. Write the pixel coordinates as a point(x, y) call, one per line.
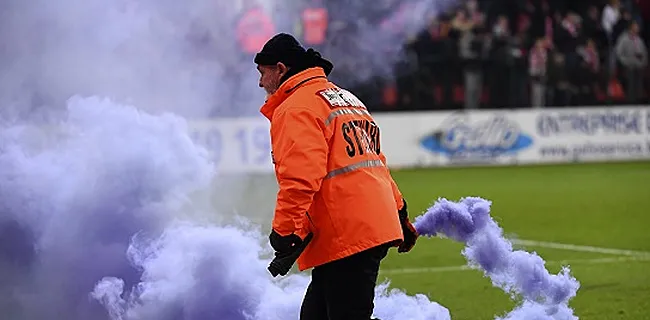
point(332, 176)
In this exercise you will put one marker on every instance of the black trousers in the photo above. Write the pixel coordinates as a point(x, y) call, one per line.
point(344, 289)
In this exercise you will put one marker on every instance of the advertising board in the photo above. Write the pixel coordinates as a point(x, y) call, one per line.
point(516, 136)
point(593, 134)
point(453, 138)
point(237, 145)
point(423, 139)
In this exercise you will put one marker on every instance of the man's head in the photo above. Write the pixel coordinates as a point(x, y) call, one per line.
point(278, 55)
point(634, 28)
point(574, 18)
point(282, 57)
point(271, 75)
point(502, 21)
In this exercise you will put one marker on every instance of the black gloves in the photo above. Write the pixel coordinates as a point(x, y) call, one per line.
point(408, 230)
point(287, 250)
point(284, 245)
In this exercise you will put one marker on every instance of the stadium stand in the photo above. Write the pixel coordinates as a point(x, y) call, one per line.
point(493, 54)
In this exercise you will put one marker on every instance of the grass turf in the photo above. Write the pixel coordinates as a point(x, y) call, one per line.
point(602, 205)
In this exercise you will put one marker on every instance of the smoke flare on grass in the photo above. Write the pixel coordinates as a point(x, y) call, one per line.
point(520, 273)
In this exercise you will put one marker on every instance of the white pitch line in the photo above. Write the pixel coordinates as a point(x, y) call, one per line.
point(466, 267)
point(579, 248)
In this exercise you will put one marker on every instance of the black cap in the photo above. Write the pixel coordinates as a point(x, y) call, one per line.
point(286, 49)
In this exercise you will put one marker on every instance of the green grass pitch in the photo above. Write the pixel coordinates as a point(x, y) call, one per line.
point(595, 205)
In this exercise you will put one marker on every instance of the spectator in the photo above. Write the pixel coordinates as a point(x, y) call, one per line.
point(518, 63)
point(461, 22)
point(475, 15)
point(623, 24)
point(589, 71)
point(501, 29)
point(611, 14)
point(528, 8)
point(633, 7)
point(538, 64)
point(498, 68)
point(559, 87)
point(644, 10)
point(593, 28)
point(444, 71)
point(313, 24)
point(579, 58)
point(619, 28)
point(473, 50)
point(541, 20)
point(633, 55)
point(568, 34)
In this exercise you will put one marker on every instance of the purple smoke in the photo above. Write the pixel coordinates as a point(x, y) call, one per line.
point(180, 56)
point(519, 273)
point(71, 197)
point(101, 218)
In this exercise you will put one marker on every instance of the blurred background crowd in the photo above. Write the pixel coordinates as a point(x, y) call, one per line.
point(195, 57)
point(474, 53)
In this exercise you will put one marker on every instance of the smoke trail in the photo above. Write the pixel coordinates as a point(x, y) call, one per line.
point(518, 272)
point(368, 42)
point(198, 272)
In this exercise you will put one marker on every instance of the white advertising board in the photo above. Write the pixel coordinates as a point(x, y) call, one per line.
point(582, 135)
point(445, 138)
point(516, 136)
point(424, 139)
point(236, 145)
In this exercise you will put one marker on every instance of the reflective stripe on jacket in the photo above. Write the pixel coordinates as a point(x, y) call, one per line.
point(332, 176)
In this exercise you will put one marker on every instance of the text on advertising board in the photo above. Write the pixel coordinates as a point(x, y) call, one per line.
point(458, 138)
point(244, 145)
point(622, 122)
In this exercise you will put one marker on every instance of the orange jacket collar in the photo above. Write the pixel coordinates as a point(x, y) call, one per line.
point(285, 90)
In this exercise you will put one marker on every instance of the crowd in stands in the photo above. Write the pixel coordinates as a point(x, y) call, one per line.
point(399, 55)
point(527, 53)
point(483, 53)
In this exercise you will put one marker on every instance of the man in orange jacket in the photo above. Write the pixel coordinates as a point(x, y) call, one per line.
point(333, 182)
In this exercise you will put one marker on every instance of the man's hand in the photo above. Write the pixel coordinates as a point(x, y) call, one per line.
point(408, 230)
point(287, 250)
point(410, 236)
point(284, 245)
